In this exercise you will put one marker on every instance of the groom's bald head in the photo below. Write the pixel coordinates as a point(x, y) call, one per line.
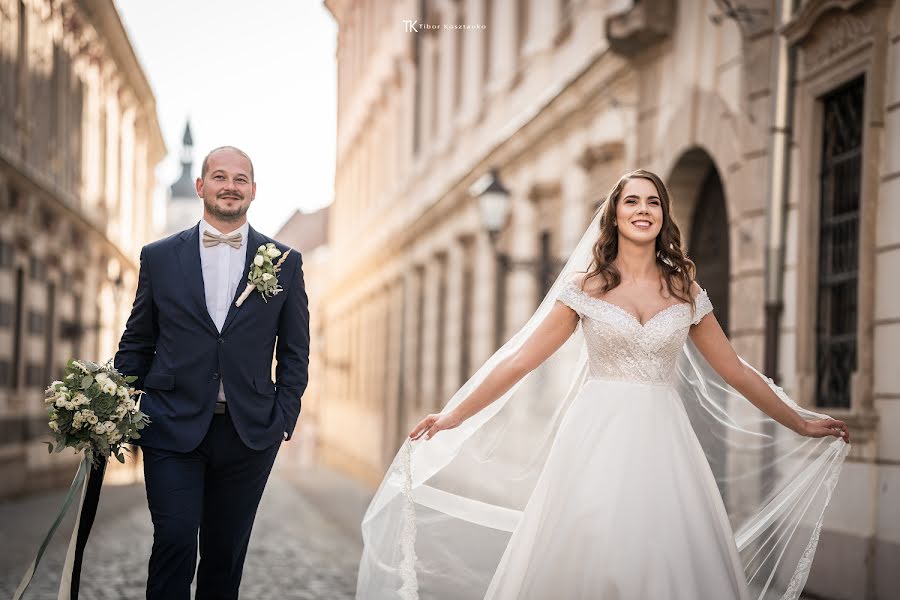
point(205, 167)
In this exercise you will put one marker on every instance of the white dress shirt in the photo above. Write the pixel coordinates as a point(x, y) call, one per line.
point(223, 272)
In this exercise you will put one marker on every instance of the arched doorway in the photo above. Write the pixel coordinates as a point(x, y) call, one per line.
point(699, 200)
point(698, 203)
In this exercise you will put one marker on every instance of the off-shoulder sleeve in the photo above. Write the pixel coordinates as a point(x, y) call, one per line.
point(570, 295)
point(703, 306)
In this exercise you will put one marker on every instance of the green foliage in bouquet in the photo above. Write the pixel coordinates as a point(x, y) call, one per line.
point(94, 408)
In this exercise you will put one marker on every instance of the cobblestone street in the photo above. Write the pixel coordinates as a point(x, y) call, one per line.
point(305, 543)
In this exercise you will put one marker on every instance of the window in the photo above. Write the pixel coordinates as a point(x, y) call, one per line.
point(441, 324)
point(465, 322)
point(420, 331)
point(17, 328)
point(6, 255)
point(460, 39)
point(38, 271)
point(522, 25)
point(418, 92)
point(487, 49)
point(6, 315)
point(436, 91)
point(35, 323)
point(22, 56)
point(76, 320)
point(49, 334)
point(34, 375)
point(838, 271)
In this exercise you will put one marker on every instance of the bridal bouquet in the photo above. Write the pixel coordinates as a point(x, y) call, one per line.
point(94, 409)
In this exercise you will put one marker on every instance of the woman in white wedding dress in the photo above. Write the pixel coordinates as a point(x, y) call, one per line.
point(616, 490)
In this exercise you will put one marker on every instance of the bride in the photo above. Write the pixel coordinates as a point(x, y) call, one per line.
point(615, 448)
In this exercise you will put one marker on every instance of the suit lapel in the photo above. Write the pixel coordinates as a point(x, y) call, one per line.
point(254, 241)
point(188, 252)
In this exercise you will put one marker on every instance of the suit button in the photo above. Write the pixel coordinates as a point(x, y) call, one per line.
point(215, 375)
point(221, 340)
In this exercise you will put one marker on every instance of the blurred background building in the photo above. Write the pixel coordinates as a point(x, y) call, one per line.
point(79, 141)
point(308, 234)
point(777, 128)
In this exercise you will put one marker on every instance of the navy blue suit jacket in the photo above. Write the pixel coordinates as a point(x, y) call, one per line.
point(171, 344)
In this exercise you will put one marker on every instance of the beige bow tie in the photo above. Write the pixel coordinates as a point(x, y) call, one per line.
point(211, 239)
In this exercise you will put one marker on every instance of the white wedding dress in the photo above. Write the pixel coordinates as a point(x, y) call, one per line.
point(622, 468)
point(626, 506)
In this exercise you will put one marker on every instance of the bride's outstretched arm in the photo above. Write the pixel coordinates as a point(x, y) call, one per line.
point(710, 340)
point(546, 339)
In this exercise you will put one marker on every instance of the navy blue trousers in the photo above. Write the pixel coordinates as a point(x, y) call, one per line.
point(214, 490)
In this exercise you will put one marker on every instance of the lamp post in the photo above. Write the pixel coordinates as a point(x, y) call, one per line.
point(494, 207)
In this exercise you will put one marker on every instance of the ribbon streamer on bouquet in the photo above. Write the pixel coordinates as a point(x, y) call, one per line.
point(88, 480)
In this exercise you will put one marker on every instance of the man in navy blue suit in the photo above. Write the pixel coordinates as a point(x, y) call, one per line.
point(216, 417)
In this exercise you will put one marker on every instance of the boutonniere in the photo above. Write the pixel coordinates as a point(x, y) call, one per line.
point(263, 275)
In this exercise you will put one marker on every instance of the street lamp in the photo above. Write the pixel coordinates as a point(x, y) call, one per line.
point(493, 204)
point(494, 207)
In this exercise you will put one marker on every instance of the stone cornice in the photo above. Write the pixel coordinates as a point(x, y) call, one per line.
point(802, 23)
point(103, 16)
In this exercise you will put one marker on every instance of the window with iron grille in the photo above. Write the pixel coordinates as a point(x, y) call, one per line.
point(838, 272)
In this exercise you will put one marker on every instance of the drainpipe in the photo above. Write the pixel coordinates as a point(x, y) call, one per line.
point(783, 105)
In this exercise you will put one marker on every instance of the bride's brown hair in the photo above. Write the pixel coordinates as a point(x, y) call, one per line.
point(673, 263)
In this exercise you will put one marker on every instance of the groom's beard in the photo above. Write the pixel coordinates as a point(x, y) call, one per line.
point(225, 214)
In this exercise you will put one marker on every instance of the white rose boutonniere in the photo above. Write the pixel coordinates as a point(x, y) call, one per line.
point(263, 275)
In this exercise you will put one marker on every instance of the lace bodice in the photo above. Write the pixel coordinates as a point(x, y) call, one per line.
point(619, 347)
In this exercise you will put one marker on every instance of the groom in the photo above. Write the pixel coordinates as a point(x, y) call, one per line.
point(216, 418)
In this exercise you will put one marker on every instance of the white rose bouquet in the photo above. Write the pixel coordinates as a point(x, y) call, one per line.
point(94, 409)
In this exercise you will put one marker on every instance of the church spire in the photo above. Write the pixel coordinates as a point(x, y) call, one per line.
point(184, 187)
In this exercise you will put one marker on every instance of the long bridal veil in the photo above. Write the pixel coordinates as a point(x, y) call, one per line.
point(440, 521)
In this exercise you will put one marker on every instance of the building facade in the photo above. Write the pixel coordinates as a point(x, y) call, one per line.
point(777, 129)
point(79, 140)
point(307, 233)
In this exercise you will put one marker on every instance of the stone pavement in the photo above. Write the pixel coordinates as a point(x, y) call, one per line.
point(305, 543)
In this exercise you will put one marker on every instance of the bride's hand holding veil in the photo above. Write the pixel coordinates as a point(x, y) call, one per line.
point(431, 424)
point(824, 427)
point(546, 339)
point(718, 351)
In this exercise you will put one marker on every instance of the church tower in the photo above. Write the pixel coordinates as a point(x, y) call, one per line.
point(184, 208)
